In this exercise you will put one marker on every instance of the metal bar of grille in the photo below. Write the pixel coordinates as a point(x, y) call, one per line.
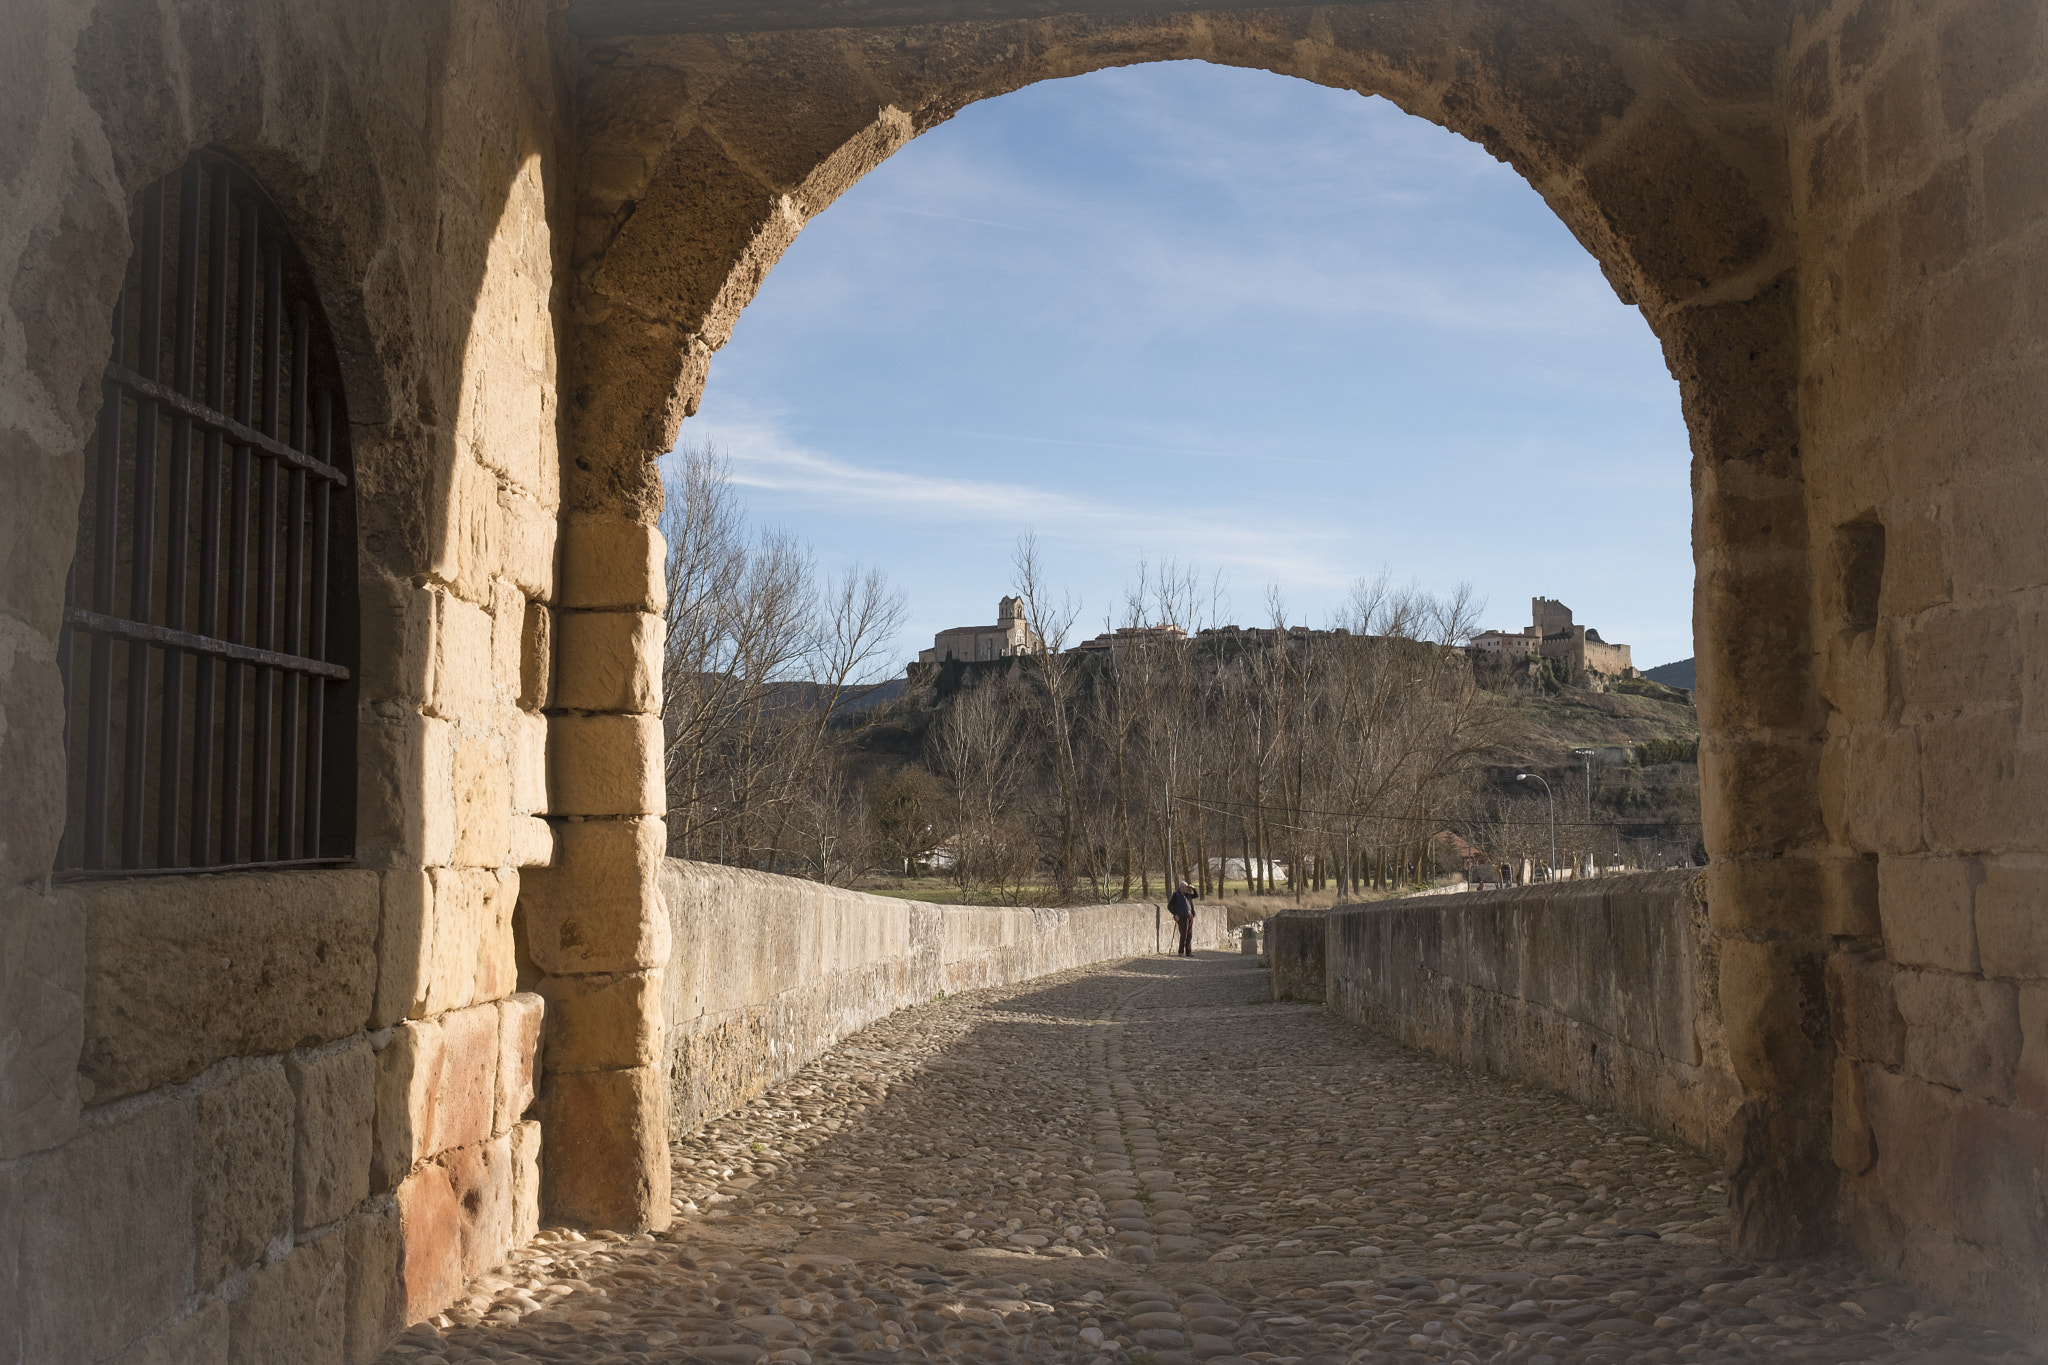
point(207, 419)
point(263, 796)
point(316, 644)
point(100, 682)
point(178, 526)
point(142, 567)
point(238, 539)
point(145, 633)
point(204, 732)
point(295, 586)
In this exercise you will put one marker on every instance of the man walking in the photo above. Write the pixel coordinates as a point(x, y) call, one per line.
point(1181, 905)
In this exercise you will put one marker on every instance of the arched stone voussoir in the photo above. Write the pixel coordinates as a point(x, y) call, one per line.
point(685, 209)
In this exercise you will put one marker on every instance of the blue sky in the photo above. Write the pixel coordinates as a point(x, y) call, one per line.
point(1288, 334)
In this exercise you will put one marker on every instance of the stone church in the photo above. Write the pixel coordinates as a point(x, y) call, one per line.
point(1011, 635)
point(340, 343)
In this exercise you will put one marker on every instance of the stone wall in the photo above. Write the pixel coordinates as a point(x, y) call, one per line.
point(1916, 139)
point(1600, 989)
point(276, 1115)
point(765, 972)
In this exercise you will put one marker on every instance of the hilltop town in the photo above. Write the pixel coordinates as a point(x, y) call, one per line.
point(1579, 655)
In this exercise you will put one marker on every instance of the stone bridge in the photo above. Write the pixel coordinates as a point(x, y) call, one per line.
point(1151, 1159)
point(340, 343)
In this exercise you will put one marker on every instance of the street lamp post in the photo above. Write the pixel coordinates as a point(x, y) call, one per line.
point(1524, 777)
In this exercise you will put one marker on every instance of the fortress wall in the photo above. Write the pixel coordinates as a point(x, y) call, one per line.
point(766, 972)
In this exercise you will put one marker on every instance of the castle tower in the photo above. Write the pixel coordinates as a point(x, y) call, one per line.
point(1549, 616)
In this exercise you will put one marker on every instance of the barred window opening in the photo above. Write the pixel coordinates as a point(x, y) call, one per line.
point(210, 622)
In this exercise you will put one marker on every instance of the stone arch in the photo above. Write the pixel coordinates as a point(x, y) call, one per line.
point(311, 1085)
point(1654, 137)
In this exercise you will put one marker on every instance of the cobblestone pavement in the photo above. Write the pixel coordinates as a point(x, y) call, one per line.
point(1149, 1163)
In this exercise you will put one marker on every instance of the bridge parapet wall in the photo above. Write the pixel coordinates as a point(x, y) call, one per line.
point(766, 972)
point(1602, 989)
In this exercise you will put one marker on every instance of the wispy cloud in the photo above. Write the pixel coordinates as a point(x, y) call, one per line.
point(763, 457)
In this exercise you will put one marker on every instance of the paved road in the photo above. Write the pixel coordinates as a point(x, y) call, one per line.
point(1149, 1164)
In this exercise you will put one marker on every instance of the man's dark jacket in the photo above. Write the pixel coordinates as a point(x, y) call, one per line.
point(1181, 905)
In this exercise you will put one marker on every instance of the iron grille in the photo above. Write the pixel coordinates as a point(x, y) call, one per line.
point(210, 709)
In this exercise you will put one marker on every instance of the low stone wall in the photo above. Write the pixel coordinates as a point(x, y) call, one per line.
point(766, 972)
point(1601, 989)
point(1296, 939)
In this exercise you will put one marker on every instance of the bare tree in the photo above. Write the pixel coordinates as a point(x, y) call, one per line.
point(760, 661)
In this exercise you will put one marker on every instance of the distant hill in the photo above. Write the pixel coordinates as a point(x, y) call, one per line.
point(1672, 675)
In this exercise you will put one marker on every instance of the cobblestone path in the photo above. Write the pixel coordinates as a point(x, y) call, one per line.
point(1149, 1163)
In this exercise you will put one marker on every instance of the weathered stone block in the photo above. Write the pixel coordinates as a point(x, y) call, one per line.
point(112, 1207)
point(397, 1136)
point(397, 637)
point(605, 765)
point(2012, 918)
point(519, 1031)
point(242, 1192)
point(1960, 1031)
point(528, 736)
point(474, 956)
point(598, 908)
point(603, 1023)
point(1999, 1155)
point(485, 1188)
point(1770, 1013)
point(530, 535)
point(1983, 781)
point(436, 1089)
point(508, 642)
point(461, 687)
point(13, 1175)
point(608, 1148)
point(2030, 1085)
point(525, 1181)
point(1961, 657)
point(1911, 1121)
point(483, 802)
point(336, 1111)
point(1925, 906)
point(466, 530)
point(537, 659)
point(405, 801)
point(440, 820)
point(1984, 51)
point(1855, 1150)
point(404, 946)
point(42, 1021)
point(1849, 898)
point(375, 1292)
point(2015, 180)
point(1877, 789)
point(296, 954)
point(1784, 895)
point(198, 1338)
point(1866, 1018)
point(533, 842)
point(610, 565)
point(608, 661)
point(293, 1310)
point(430, 1216)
